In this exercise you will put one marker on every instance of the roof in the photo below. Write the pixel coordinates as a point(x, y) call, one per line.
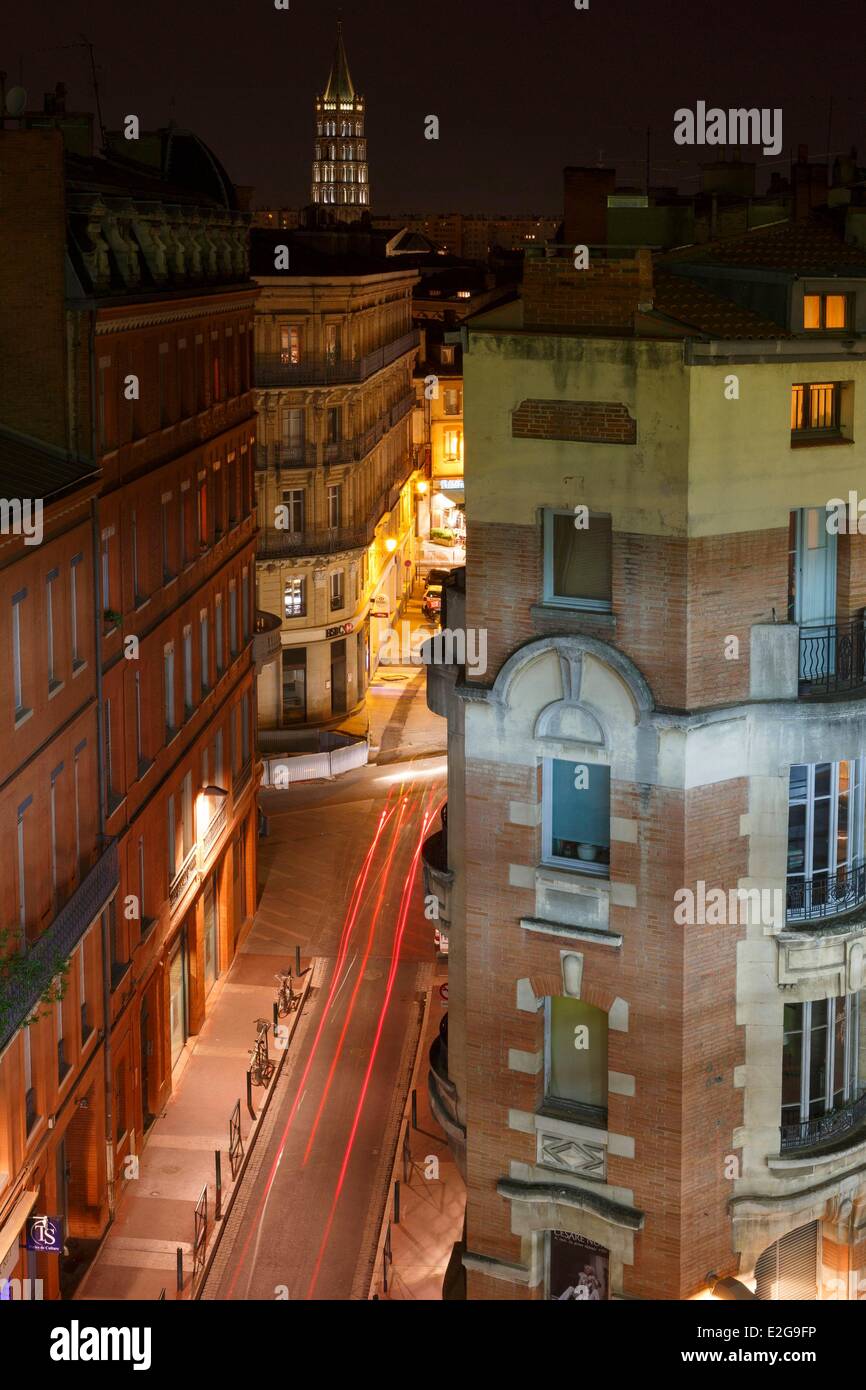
point(342, 258)
point(38, 470)
point(690, 303)
point(340, 86)
point(118, 177)
point(813, 247)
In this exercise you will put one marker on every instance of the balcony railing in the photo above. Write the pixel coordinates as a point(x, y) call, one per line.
point(183, 878)
point(330, 370)
point(216, 828)
point(823, 1129)
point(44, 958)
point(285, 456)
point(826, 895)
point(833, 657)
point(283, 545)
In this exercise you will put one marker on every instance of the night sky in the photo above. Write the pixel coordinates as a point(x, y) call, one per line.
point(521, 87)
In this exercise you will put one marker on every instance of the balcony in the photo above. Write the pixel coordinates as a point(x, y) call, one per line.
point(183, 878)
point(438, 878)
point(266, 643)
point(281, 456)
point(443, 1097)
point(823, 896)
point(287, 544)
point(833, 658)
point(18, 998)
point(824, 1130)
point(330, 370)
point(215, 829)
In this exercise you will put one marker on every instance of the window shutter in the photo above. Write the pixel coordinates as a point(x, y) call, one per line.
point(788, 1270)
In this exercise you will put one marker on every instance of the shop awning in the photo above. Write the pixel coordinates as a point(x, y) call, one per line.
point(11, 1228)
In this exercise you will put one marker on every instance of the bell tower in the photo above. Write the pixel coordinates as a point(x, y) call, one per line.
point(340, 179)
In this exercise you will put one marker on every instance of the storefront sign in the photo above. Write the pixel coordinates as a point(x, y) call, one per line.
point(45, 1233)
point(344, 630)
point(381, 606)
point(450, 484)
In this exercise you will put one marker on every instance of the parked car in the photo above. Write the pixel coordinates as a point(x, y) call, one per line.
point(431, 605)
point(435, 576)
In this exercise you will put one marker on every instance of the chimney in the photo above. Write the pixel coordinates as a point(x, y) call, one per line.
point(808, 185)
point(585, 194)
point(606, 295)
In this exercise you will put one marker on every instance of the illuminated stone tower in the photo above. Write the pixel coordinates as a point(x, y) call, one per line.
point(340, 180)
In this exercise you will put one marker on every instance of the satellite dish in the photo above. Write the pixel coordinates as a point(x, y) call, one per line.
point(16, 101)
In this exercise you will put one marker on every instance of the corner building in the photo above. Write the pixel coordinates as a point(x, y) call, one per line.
point(674, 700)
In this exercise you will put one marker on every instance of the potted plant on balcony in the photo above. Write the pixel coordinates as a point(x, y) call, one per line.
point(111, 617)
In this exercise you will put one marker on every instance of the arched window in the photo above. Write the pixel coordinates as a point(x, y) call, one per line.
point(575, 1056)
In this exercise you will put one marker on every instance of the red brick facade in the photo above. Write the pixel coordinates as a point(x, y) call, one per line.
point(585, 422)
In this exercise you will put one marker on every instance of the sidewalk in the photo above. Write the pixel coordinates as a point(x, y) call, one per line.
point(155, 1212)
point(431, 1208)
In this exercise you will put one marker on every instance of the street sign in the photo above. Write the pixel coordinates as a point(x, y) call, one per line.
point(443, 993)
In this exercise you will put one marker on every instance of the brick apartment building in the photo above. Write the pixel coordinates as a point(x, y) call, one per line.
point(127, 348)
point(651, 1096)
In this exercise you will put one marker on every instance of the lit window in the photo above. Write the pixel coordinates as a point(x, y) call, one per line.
point(816, 406)
point(296, 597)
point(827, 311)
point(576, 815)
point(822, 1074)
point(576, 1054)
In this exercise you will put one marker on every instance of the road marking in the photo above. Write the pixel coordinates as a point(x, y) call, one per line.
point(345, 978)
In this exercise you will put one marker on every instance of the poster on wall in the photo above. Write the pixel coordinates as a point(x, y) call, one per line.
point(578, 1269)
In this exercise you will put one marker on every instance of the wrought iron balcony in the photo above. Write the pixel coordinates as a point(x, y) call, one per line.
point(330, 370)
point(278, 545)
point(285, 456)
point(823, 1129)
point(826, 895)
point(183, 878)
point(19, 996)
point(833, 657)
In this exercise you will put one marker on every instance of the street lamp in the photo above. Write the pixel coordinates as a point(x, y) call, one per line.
point(390, 545)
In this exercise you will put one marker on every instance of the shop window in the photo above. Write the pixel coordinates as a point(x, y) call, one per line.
point(577, 1269)
point(296, 597)
point(294, 685)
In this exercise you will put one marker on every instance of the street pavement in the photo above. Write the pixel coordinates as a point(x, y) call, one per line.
point(307, 1222)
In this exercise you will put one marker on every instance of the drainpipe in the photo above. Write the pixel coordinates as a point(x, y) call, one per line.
point(100, 763)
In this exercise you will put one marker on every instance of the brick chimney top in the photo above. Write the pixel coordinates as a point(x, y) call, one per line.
point(608, 294)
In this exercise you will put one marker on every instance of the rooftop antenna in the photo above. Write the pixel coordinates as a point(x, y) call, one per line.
point(89, 46)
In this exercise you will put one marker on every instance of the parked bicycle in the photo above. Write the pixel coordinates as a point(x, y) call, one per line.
point(286, 997)
point(261, 1066)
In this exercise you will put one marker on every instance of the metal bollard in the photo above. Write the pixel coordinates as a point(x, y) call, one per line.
point(397, 1202)
point(179, 1269)
point(414, 1109)
point(298, 961)
point(250, 1093)
point(218, 1161)
point(276, 1017)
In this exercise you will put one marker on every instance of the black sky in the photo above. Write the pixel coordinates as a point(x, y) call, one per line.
point(521, 87)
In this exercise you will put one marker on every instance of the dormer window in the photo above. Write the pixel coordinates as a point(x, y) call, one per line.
point(825, 312)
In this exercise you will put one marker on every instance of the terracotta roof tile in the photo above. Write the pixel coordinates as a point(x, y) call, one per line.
point(691, 304)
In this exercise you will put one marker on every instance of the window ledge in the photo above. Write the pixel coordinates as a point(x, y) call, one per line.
point(819, 441)
point(78, 667)
point(575, 880)
point(21, 717)
point(54, 687)
point(572, 1117)
point(119, 972)
point(538, 926)
point(141, 603)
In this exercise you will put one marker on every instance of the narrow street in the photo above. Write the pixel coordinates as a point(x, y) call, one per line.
point(341, 873)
